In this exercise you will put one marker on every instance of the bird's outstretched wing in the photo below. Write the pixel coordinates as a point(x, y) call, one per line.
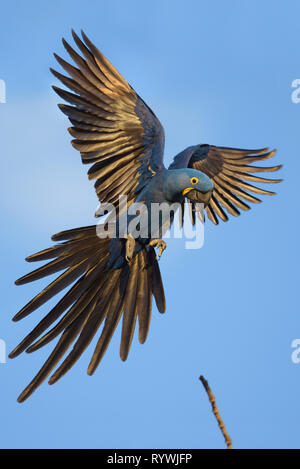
point(229, 169)
point(113, 128)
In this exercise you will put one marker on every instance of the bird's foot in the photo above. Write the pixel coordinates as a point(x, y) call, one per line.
point(158, 243)
point(130, 245)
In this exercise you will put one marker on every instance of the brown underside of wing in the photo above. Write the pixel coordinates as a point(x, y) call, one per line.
point(230, 170)
point(113, 129)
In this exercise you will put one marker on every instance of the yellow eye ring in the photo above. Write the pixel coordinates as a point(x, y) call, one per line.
point(194, 180)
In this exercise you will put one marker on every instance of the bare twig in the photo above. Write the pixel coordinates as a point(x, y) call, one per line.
point(215, 410)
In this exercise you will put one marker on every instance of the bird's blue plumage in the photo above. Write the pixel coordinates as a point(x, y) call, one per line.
point(109, 278)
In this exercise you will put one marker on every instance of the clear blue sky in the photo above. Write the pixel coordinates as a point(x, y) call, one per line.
point(214, 72)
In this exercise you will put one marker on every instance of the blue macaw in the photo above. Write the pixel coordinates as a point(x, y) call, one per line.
point(116, 132)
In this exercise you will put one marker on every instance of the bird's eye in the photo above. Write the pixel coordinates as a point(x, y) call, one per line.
point(194, 180)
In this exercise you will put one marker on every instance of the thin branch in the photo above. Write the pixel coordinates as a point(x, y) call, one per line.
point(215, 410)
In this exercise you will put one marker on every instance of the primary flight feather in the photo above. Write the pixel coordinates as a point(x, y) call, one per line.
point(117, 277)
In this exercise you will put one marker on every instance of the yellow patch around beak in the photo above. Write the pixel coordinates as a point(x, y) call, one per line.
point(188, 189)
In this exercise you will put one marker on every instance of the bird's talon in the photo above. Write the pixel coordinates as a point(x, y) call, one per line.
point(159, 243)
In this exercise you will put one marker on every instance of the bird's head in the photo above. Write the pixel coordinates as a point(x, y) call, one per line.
point(189, 183)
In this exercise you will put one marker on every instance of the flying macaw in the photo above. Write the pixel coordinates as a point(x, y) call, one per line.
point(119, 135)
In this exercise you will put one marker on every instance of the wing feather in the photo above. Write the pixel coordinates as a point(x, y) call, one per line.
point(229, 169)
point(112, 126)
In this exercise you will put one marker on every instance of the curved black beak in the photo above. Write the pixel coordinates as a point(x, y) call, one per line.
point(199, 197)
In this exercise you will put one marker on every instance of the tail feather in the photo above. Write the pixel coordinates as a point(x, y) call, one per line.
point(100, 294)
point(75, 233)
point(111, 322)
point(83, 302)
point(72, 295)
point(59, 284)
point(62, 346)
point(157, 286)
point(130, 310)
point(64, 248)
point(89, 330)
point(144, 301)
point(57, 265)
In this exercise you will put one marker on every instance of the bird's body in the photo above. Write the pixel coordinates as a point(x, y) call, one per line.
point(163, 194)
point(117, 275)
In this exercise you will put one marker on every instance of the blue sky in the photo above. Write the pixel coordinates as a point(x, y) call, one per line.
point(214, 72)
